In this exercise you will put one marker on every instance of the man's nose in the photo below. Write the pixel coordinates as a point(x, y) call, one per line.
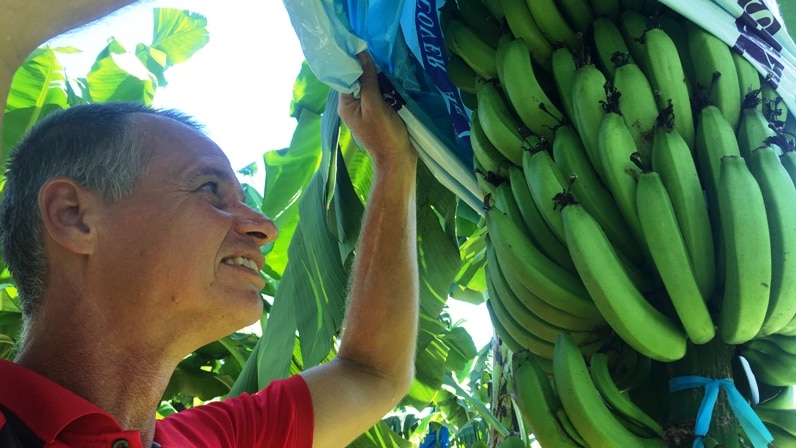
point(256, 225)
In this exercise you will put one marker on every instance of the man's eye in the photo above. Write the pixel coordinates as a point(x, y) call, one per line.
point(212, 187)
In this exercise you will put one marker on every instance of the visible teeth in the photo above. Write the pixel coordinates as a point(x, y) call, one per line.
point(240, 261)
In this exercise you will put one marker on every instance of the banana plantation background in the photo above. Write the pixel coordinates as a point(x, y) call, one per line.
point(315, 191)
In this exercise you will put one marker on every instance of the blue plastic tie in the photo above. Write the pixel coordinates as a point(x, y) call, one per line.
point(755, 430)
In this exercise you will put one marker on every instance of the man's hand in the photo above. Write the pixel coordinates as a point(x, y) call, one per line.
point(377, 127)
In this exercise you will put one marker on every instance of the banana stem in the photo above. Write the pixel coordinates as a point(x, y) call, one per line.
point(711, 360)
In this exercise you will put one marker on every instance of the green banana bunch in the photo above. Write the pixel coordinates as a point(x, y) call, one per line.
point(779, 197)
point(478, 17)
point(538, 401)
point(618, 402)
point(585, 407)
point(744, 227)
point(523, 90)
point(622, 305)
point(670, 255)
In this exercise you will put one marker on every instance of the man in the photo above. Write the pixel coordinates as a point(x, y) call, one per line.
point(123, 275)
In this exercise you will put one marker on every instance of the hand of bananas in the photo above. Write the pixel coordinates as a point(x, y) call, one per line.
point(639, 178)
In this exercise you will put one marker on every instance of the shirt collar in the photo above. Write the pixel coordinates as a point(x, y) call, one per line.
point(46, 407)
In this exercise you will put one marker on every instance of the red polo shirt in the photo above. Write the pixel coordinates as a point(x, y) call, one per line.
point(278, 416)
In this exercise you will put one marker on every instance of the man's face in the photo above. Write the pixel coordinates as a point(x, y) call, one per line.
point(185, 247)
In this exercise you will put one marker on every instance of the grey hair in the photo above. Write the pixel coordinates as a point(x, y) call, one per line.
point(97, 145)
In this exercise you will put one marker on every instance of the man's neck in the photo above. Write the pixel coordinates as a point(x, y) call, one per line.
point(128, 383)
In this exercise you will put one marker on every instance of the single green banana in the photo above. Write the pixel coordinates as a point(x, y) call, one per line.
point(460, 73)
point(715, 72)
point(501, 331)
point(523, 26)
point(523, 90)
point(504, 201)
point(526, 264)
point(674, 25)
point(499, 123)
point(667, 77)
point(588, 99)
point(552, 23)
point(788, 159)
point(527, 340)
point(605, 8)
point(591, 417)
point(753, 129)
point(545, 182)
point(537, 401)
point(782, 438)
point(463, 41)
point(569, 428)
point(747, 241)
point(625, 309)
point(673, 161)
point(634, 26)
point(512, 441)
point(670, 255)
point(637, 375)
point(608, 42)
point(570, 156)
point(491, 160)
point(564, 67)
point(785, 343)
point(495, 7)
point(779, 197)
point(715, 139)
point(638, 106)
point(616, 145)
point(541, 234)
point(785, 399)
point(486, 182)
point(618, 402)
point(476, 15)
point(748, 77)
point(500, 56)
point(783, 418)
point(578, 14)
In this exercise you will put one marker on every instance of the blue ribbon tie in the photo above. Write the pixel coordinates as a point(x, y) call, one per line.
point(755, 430)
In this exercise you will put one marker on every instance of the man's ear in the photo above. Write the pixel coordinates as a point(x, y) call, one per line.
point(68, 212)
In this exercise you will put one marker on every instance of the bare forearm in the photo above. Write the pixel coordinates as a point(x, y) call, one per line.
point(381, 323)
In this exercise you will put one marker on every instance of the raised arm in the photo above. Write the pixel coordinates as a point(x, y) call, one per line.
point(375, 364)
point(26, 24)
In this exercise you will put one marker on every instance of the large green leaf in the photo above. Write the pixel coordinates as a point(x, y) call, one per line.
point(380, 436)
point(178, 34)
point(120, 76)
point(38, 88)
point(287, 173)
point(308, 93)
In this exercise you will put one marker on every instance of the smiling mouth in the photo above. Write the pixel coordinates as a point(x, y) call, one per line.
point(241, 261)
